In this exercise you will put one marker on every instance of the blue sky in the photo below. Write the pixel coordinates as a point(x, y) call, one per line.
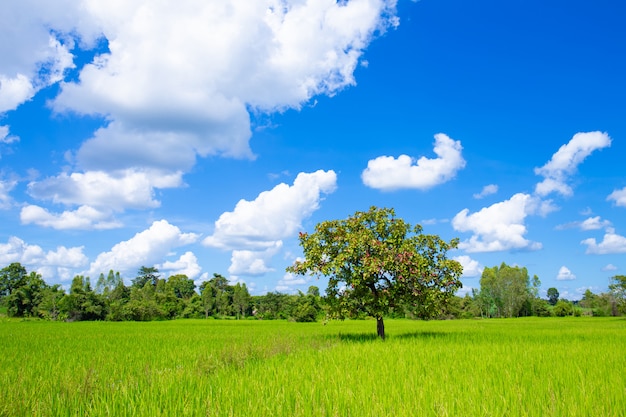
point(201, 137)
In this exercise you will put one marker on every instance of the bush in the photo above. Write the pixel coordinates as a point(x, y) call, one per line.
point(563, 308)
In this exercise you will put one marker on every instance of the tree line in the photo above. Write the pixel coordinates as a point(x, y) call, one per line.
point(149, 297)
point(505, 291)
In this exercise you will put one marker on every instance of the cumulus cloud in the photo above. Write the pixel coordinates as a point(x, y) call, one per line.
point(611, 243)
point(97, 195)
point(85, 217)
point(565, 274)
point(187, 265)
point(112, 190)
point(254, 229)
point(145, 248)
point(389, 173)
point(54, 263)
point(487, 190)
point(174, 80)
point(609, 267)
point(471, 267)
point(247, 262)
point(273, 215)
point(35, 46)
point(619, 196)
point(188, 72)
point(564, 162)
point(498, 227)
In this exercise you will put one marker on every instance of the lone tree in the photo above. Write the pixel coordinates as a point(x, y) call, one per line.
point(375, 262)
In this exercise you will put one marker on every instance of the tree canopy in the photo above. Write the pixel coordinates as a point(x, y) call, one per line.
point(375, 262)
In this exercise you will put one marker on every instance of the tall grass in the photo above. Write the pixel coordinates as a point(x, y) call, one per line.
point(516, 367)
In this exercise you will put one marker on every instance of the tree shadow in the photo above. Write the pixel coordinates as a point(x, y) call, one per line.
point(371, 336)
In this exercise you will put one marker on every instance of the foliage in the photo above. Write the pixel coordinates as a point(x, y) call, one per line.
point(617, 289)
point(505, 291)
point(563, 308)
point(553, 295)
point(375, 262)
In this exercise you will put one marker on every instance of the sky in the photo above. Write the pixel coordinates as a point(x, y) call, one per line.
point(201, 136)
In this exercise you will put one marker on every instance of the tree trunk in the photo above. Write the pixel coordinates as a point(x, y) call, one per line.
point(380, 327)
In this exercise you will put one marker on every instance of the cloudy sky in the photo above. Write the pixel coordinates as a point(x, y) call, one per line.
point(200, 136)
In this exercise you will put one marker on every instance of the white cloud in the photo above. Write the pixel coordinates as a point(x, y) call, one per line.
point(594, 223)
point(105, 190)
point(612, 243)
point(565, 161)
point(146, 248)
point(471, 267)
point(273, 215)
point(186, 73)
point(609, 267)
point(487, 190)
point(246, 262)
point(34, 45)
point(498, 227)
point(289, 281)
point(187, 265)
point(85, 217)
point(565, 274)
point(5, 137)
point(5, 189)
point(254, 229)
point(619, 196)
point(389, 173)
point(51, 264)
point(591, 223)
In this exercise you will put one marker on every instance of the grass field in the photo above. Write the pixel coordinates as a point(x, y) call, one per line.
point(517, 367)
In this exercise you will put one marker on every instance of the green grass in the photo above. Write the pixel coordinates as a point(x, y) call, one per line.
point(518, 367)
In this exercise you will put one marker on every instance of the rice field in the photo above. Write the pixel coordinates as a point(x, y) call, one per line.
point(506, 367)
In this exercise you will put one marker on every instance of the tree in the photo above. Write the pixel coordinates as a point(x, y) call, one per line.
point(617, 288)
point(24, 300)
point(183, 286)
point(375, 261)
point(82, 303)
point(241, 299)
point(563, 308)
point(553, 295)
point(11, 278)
point(146, 274)
point(506, 290)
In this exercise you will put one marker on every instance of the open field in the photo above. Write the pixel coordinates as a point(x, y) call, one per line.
point(507, 367)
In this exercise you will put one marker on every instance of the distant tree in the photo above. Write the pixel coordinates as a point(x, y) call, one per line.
point(146, 274)
point(48, 307)
point(375, 262)
point(182, 285)
point(553, 295)
point(314, 291)
point(106, 285)
point(563, 308)
point(207, 295)
point(82, 303)
point(617, 289)
point(222, 292)
point(24, 299)
point(117, 300)
point(11, 278)
point(507, 289)
point(241, 299)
